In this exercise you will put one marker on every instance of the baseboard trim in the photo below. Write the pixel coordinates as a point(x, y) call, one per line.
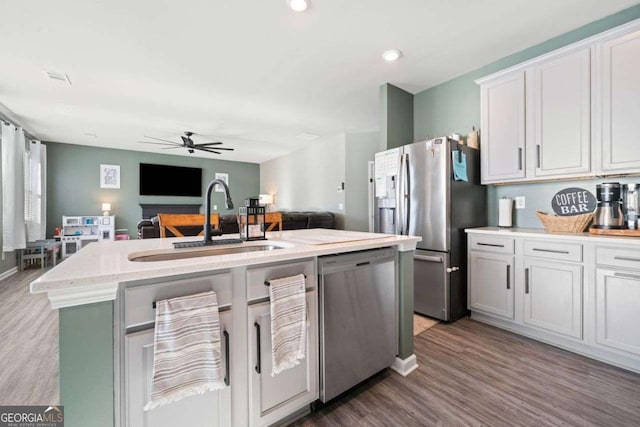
point(10, 272)
point(405, 366)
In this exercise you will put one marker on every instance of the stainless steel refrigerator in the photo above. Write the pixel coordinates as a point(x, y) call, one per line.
point(415, 193)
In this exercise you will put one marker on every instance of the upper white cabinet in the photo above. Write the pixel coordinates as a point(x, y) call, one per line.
point(572, 112)
point(621, 104)
point(503, 123)
point(560, 104)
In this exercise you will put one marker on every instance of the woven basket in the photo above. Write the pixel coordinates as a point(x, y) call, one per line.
point(564, 224)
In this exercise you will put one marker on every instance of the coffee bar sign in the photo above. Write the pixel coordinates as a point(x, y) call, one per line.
point(573, 201)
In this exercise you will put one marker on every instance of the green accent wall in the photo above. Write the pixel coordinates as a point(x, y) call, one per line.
point(360, 148)
point(405, 296)
point(454, 106)
point(86, 365)
point(396, 126)
point(73, 183)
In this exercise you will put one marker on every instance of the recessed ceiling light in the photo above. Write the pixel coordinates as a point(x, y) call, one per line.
point(58, 77)
point(298, 5)
point(391, 55)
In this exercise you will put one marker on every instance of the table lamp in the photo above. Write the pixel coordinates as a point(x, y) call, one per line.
point(106, 207)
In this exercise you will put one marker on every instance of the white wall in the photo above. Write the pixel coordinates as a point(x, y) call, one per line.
point(308, 179)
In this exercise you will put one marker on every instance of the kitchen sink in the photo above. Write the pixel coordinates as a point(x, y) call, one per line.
point(175, 255)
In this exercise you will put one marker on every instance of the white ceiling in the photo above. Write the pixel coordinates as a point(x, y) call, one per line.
point(251, 73)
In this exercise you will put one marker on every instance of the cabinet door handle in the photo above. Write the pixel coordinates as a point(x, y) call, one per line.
point(526, 280)
point(627, 276)
point(226, 357)
point(538, 155)
point(520, 158)
point(553, 251)
point(259, 356)
point(493, 245)
point(624, 258)
point(508, 276)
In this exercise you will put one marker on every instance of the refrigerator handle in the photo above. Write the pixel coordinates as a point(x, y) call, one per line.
point(406, 190)
point(399, 198)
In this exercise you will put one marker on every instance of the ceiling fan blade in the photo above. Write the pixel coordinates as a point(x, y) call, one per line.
point(160, 143)
point(207, 150)
point(221, 148)
point(211, 143)
point(160, 139)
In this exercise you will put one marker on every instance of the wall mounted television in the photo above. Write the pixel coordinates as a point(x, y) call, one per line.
point(163, 180)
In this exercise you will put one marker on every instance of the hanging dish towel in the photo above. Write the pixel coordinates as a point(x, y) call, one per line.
point(186, 349)
point(288, 322)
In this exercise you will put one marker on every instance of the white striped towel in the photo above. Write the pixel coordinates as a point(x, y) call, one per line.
point(186, 349)
point(288, 322)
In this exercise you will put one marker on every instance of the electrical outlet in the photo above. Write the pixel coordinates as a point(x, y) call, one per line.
point(340, 206)
point(520, 202)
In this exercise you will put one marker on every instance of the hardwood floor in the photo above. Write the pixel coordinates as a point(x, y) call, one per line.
point(29, 349)
point(470, 374)
point(474, 374)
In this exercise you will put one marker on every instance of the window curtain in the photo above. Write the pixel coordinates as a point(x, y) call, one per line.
point(35, 191)
point(13, 225)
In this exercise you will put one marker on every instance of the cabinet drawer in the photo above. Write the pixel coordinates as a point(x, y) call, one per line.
point(139, 299)
point(256, 277)
point(559, 251)
point(618, 256)
point(488, 243)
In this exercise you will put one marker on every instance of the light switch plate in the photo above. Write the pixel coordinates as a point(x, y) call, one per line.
point(340, 206)
point(215, 207)
point(520, 202)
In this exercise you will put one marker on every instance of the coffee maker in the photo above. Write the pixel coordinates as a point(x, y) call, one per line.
point(631, 200)
point(609, 214)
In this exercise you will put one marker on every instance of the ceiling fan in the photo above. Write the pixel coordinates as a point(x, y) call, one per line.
point(187, 142)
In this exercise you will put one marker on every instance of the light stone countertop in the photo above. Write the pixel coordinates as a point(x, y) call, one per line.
point(105, 263)
point(541, 233)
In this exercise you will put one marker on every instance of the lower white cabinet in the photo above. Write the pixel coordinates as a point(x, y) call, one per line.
point(553, 296)
point(272, 397)
point(211, 409)
point(578, 292)
point(617, 309)
point(491, 283)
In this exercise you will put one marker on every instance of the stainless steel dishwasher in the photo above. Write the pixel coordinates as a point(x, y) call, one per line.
point(358, 318)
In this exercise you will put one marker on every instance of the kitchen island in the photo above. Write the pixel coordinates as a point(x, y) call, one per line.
point(106, 292)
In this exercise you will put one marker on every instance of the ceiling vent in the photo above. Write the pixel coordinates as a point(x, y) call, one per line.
point(58, 77)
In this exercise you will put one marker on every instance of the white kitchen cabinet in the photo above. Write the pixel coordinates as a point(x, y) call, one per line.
point(490, 284)
point(209, 409)
point(503, 128)
point(560, 105)
point(618, 309)
point(553, 296)
point(620, 68)
point(273, 397)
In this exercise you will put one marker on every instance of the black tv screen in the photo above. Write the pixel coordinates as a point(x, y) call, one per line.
point(161, 180)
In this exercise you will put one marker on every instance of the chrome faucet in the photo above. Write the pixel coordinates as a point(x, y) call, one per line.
point(207, 213)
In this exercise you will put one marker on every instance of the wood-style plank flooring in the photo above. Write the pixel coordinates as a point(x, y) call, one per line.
point(28, 344)
point(470, 374)
point(474, 374)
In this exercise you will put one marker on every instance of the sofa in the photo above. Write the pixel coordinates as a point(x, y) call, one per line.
point(149, 228)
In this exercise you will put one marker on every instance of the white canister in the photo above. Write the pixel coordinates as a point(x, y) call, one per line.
point(505, 210)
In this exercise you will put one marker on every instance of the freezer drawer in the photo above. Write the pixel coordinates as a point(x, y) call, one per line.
point(358, 318)
point(431, 284)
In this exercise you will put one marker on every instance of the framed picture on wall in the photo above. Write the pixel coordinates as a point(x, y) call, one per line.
point(109, 176)
point(223, 177)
